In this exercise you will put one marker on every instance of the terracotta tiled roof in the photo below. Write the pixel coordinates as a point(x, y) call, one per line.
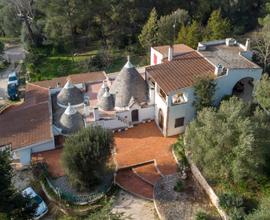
point(177, 49)
point(75, 79)
point(181, 72)
point(28, 123)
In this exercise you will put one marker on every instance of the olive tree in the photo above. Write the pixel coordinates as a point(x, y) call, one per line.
point(230, 143)
point(262, 92)
point(204, 90)
point(86, 155)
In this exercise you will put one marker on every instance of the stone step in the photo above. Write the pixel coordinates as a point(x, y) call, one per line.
point(130, 182)
point(148, 173)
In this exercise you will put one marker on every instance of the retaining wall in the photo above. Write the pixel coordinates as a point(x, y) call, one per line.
point(207, 188)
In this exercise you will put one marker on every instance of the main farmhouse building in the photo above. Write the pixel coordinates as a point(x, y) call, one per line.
point(162, 92)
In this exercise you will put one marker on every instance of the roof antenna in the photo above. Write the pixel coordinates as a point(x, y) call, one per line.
point(174, 26)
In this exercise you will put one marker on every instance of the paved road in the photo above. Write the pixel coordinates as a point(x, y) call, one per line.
point(14, 54)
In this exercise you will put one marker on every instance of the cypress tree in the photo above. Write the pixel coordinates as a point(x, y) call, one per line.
point(148, 36)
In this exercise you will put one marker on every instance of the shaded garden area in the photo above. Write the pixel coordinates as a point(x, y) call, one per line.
point(178, 198)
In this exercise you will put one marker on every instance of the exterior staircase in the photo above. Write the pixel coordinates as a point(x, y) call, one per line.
point(139, 180)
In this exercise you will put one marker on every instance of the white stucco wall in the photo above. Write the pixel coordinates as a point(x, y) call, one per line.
point(43, 147)
point(24, 154)
point(159, 57)
point(111, 124)
point(226, 83)
point(224, 87)
point(185, 110)
point(161, 104)
point(147, 113)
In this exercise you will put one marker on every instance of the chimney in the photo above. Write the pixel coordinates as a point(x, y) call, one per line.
point(247, 47)
point(218, 70)
point(170, 53)
point(96, 114)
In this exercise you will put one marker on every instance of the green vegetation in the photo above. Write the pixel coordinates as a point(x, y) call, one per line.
point(233, 204)
point(85, 156)
point(12, 204)
point(190, 35)
point(217, 27)
point(48, 67)
point(2, 46)
point(180, 186)
point(204, 90)
point(202, 216)
point(230, 146)
point(262, 92)
point(148, 36)
point(169, 26)
point(179, 151)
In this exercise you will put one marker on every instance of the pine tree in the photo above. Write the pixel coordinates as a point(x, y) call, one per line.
point(182, 35)
point(169, 26)
point(190, 35)
point(148, 36)
point(194, 35)
point(217, 28)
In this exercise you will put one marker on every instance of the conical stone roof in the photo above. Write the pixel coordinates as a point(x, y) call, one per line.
point(129, 83)
point(102, 89)
point(106, 101)
point(71, 121)
point(70, 94)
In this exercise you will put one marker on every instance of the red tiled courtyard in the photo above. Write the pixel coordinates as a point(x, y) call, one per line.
point(53, 160)
point(142, 156)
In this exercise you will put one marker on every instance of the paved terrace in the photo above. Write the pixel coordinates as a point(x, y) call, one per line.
point(142, 156)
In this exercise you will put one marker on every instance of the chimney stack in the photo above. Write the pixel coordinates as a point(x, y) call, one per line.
point(247, 47)
point(170, 53)
point(96, 114)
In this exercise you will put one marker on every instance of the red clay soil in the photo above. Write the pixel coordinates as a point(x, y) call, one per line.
point(148, 173)
point(128, 181)
point(139, 145)
point(52, 158)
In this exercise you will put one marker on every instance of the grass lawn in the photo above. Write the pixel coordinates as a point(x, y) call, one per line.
point(62, 65)
point(13, 40)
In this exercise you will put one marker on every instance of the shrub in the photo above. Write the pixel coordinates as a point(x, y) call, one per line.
point(204, 90)
point(86, 154)
point(233, 204)
point(179, 187)
point(202, 216)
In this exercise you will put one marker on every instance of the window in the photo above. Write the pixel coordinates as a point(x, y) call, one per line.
point(162, 94)
point(178, 99)
point(151, 83)
point(179, 122)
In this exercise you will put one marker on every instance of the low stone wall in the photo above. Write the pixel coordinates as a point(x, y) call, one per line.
point(209, 191)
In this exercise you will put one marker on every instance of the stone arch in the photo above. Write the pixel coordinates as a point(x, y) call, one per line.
point(243, 88)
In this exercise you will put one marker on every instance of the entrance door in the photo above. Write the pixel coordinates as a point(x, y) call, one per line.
point(160, 119)
point(135, 115)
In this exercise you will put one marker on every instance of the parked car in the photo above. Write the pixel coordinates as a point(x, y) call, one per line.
point(13, 78)
point(12, 90)
point(36, 200)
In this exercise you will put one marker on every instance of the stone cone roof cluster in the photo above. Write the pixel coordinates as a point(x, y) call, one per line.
point(70, 94)
point(71, 120)
point(129, 83)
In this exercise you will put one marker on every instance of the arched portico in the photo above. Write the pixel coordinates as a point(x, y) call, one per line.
point(244, 88)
